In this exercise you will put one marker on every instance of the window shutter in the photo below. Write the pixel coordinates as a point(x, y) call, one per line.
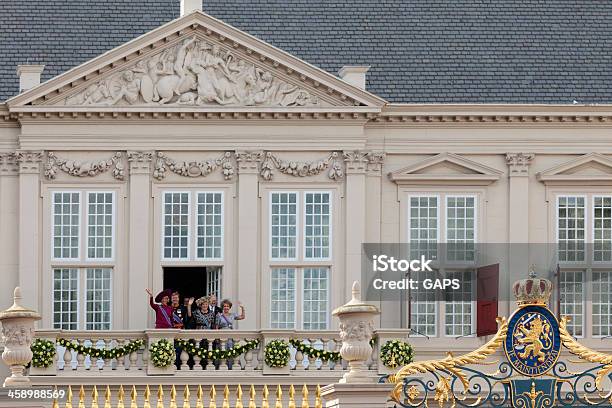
point(487, 296)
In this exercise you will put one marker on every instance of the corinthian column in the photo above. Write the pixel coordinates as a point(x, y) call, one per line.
point(29, 226)
point(9, 222)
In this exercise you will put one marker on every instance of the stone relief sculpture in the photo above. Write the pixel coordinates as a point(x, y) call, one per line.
point(79, 168)
point(194, 168)
point(194, 72)
point(302, 169)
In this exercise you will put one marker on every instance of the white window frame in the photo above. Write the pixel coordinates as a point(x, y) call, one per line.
point(302, 230)
point(194, 225)
point(113, 221)
point(442, 196)
point(82, 293)
point(79, 320)
point(163, 225)
point(80, 229)
point(298, 226)
point(295, 295)
point(301, 277)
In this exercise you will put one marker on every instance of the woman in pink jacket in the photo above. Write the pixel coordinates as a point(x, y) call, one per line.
point(163, 310)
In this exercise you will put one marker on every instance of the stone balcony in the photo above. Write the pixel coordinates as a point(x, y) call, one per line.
point(136, 368)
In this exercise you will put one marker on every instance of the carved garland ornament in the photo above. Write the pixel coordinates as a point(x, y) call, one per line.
point(79, 168)
point(194, 72)
point(193, 169)
point(302, 169)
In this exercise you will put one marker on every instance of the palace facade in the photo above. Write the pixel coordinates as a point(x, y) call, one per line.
point(200, 157)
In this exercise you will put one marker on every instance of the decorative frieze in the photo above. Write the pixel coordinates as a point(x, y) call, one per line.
point(29, 161)
point(518, 163)
point(331, 163)
point(164, 163)
point(88, 168)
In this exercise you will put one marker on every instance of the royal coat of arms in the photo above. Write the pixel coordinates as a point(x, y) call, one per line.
point(532, 377)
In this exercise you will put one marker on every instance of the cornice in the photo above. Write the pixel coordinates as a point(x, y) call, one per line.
point(176, 114)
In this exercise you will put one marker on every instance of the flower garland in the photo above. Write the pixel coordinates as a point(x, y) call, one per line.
point(105, 354)
point(43, 353)
point(277, 353)
point(216, 354)
point(162, 353)
point(395, 353)
point(314, 352)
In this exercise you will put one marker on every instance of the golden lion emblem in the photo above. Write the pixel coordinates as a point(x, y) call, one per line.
point(536, 339)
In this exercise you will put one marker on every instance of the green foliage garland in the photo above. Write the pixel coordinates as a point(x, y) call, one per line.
point(396, 353)
point(162, 354)
point(192, 349)
point(105, 354)
point(43, 352)
point(316, 353)
point(277, 353)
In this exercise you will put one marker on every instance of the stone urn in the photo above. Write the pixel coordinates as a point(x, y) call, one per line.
point(356, 330)
point(17, 331)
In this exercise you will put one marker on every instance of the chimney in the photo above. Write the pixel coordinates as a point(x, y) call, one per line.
point(354, 74)
point(29, 76)
point(189, 6)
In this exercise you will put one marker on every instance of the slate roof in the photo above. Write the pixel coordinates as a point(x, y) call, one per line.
point(421, 51)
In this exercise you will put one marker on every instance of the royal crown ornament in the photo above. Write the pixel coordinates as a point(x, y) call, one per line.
point(533, 290)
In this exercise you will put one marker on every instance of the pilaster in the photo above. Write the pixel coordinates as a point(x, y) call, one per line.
point(9, 223)
point(248, 288)
point(518, 218)
point(28, 163)
point(356, 164)
point(139, 257)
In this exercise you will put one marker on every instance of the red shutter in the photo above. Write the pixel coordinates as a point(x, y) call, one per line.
point(487, 295)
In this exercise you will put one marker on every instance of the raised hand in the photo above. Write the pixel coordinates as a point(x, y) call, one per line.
point(149, 292)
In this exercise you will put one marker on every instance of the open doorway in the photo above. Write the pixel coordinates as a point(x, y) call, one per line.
point(193, 281)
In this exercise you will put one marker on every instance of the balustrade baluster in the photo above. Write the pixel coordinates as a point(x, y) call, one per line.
point(184, 358)
point(197, 362)
point(311, 359)
point(120, 365)
point(67, 360)
point(223, 361)
point(80, 357)
point(260, 355)
point(248, 360)
point(337, 364)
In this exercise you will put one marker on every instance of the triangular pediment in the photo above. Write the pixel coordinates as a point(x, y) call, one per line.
point(446, 168)
point(592, 167)
point(196, 61)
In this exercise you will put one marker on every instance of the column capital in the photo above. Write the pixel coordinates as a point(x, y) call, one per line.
point(29, 161)
point(8, 164)
point(518, 163)
point(139, 162)
point(248, 161)
point(363, 161)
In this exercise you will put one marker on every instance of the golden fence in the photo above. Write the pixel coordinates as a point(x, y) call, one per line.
point(175, 400)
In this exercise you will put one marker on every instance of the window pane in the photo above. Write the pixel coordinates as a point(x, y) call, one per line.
point(65, 299)
point(423, 310)
point(282, 299)
point(458, 312)
point(100, 225)
point(316, 289)
point(66, 210)
point(570, 228)
point(461, 228)
point(602, 228)
point(98, 299)
point(423, 226)
point(571, 299)
point(176, 225)
point(209, 225)
point(602, 303)
point(213, 282)
point(283, 211)
point(317, 225)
